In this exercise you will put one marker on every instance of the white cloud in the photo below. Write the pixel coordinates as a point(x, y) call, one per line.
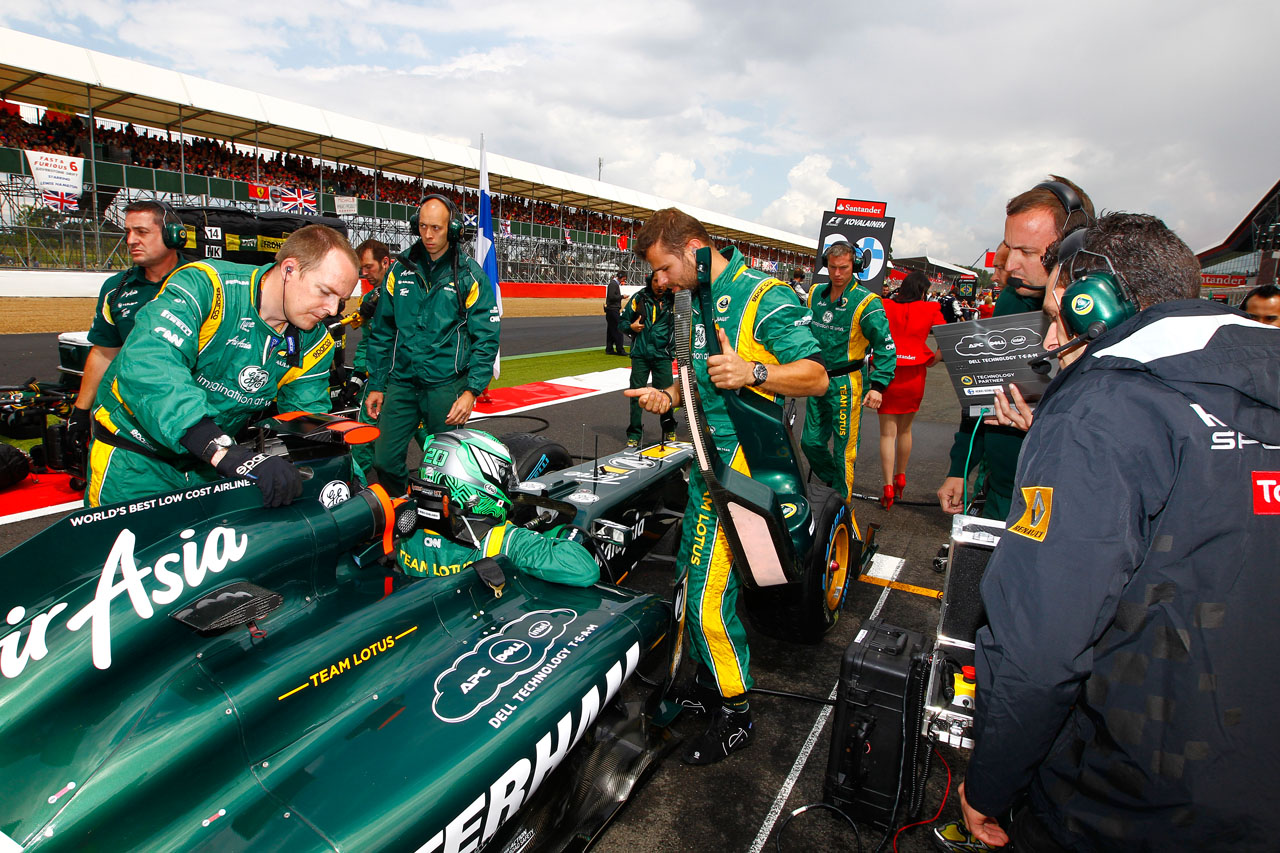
point(761, 115)
point(810, 190)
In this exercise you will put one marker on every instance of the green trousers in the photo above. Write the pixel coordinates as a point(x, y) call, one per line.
point(642, 368)
point(404, 407)
point(833, 417)
point(717, 638)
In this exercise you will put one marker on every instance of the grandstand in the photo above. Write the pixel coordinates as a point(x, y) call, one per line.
point(1247, 257)
point(146, 132)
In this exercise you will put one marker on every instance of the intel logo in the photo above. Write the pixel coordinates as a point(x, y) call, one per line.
point(539, 629)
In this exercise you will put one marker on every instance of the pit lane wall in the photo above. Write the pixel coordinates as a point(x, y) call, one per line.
point(66, 283)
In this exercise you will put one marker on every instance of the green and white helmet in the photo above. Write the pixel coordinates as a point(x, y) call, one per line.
point(476, 471)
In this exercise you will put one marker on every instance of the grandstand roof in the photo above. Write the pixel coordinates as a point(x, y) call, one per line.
point(68, 78)
point(1241, 239)
point(926, 264)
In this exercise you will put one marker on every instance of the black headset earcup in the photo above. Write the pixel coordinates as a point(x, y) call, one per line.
point(1095, 299)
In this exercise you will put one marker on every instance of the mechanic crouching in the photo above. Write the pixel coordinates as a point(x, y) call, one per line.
point(465, 481)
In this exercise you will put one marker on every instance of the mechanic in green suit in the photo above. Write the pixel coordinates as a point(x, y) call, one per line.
point(375, 261)
point(217, 345)
point(122, 296)
point(647, 315)
point(476, 471)
point(849, 321)
point(432, 341)
point(767, 348)
point(1035, 220)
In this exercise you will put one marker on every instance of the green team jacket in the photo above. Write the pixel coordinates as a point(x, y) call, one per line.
point(360, 361)
point(654, 339)
point(998, 445)
point(764, 321)
point(418, 335)
point(122, 296)
point(200, 350)
point(849, 326)
point(428, 554)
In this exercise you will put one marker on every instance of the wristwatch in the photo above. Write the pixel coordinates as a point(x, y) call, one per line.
point(760, 374)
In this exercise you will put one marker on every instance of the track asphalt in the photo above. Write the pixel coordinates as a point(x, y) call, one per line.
point(735, 805)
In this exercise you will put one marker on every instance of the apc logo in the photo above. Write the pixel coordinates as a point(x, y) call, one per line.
point(476, 678)
point(252, 379)
point(1082, 304)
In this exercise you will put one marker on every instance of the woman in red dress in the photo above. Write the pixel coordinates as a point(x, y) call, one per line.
point(911, 316)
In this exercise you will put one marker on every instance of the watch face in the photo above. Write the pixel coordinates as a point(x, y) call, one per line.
point(223, 441)
point(761, 373)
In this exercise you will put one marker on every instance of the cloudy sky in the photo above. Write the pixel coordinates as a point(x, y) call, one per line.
point(942, 109)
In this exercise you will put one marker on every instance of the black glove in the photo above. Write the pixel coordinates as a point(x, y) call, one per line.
point(350, 393)
point(78, 429)
point(276, 477)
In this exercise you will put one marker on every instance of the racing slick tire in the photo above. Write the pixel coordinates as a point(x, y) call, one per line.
point(535, 455)
point(806, 610)
point(14, 466)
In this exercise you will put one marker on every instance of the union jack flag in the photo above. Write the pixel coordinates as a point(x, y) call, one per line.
point(506, 227)
point(297, 201)
point(61, 202)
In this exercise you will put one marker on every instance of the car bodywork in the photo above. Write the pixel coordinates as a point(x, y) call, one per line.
point(343, 707)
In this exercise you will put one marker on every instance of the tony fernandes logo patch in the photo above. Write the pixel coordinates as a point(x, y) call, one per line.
point(1266, 492)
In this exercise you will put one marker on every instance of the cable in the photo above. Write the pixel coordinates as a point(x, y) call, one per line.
point(545, 423)
point(964, 494)
point(786, 694)
point(777, 839)
point(946, 794)
point(874, 499)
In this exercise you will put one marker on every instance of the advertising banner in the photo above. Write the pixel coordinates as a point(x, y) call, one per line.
point(866, 235)
point(57, 173)
point(857, 207)
point(345, 205)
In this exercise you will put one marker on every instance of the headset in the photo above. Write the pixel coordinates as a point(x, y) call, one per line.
point(1072, 204)
point(455, 218)
point(861, 259)
point(1094, 302)
point(172, 232)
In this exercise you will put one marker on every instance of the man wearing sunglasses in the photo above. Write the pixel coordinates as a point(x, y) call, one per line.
point(1124, 680)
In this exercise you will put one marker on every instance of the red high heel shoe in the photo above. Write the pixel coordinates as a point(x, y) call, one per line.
point(886, 499)
point(899, 484)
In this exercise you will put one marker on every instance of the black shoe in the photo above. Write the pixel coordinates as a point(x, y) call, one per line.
point(693, 698)
point(728, 731)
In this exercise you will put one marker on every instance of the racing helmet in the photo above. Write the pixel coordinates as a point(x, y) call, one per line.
point(470, 474)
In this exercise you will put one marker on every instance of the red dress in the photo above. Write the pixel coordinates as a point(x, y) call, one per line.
point(909, 323)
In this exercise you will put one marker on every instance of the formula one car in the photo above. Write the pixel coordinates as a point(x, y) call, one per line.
point(191, 671)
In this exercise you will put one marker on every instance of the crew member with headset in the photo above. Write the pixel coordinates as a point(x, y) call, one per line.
point(215, 347)
point(848, 321)
point(766, 348)
point(153, 233)
point(1124, 677)
point(1034, 221)
point(432, 341)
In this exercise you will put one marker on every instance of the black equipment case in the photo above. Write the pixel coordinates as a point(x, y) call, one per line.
point(879, 705)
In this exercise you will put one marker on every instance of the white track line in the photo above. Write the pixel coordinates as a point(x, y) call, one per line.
point(36, 513)
point(895, 564)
